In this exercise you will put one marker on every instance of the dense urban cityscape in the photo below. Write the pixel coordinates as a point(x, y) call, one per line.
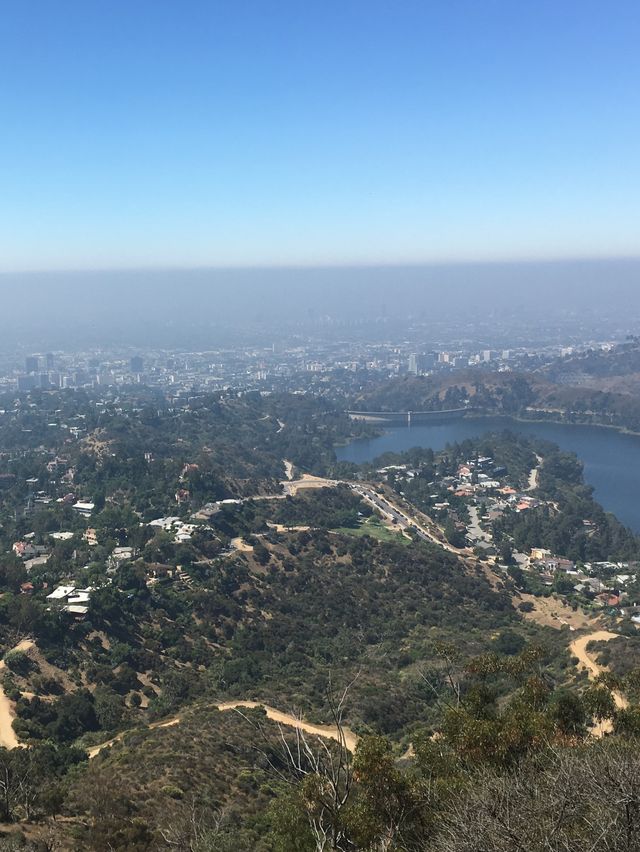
point(302, 367)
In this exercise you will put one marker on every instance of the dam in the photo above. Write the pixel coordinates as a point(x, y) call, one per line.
point(409, 418)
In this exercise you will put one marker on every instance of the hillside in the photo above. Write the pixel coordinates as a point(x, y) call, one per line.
point(528, 395)
point(209, 572)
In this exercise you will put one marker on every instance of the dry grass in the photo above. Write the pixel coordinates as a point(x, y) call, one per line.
point(549, 612)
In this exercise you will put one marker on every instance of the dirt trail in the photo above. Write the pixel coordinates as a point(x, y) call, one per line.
point(327, 731)
point(579, 649)
point(8, 738)
point(281, 528)
point(288, 469)
point(534, 475)
point(292, 487)
point(240, 544)
point(167, 723)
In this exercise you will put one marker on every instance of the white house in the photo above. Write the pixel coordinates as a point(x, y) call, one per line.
point(84, 509)
point(61, 593)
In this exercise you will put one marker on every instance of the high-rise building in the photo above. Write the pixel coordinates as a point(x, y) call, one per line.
point(136, 364)
point(422, 362)
point(51, 361)
point(31, 363)
point(429, 360)
point(26, 383)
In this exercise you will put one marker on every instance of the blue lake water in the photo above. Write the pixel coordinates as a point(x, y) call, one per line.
point(611, 459)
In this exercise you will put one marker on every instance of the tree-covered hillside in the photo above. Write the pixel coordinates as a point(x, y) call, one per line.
point(162, 559)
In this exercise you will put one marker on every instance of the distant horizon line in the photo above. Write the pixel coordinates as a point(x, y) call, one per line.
point(250, 267)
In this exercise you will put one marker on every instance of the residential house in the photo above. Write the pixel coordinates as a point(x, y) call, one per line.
point(59, 595)
point(72, 600)
point(83, 508)
point(27, 550)
point(118, 556)
point(90, 537)
point(555, 563)
point(539, 553)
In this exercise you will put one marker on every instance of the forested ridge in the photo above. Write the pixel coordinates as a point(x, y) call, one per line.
point(542, 395)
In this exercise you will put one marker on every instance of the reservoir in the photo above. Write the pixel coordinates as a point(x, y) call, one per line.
point(611, 459)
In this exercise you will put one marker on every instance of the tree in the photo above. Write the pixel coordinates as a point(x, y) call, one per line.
point(109, 708)
point(8, 785)
point(506, 553)
point(599, 702)
point(391, 808)
point(578, 799)
point(19, 662)
point(454, 536)
point(568, 713)
point(517, 575)
point(509, 642)
point(320, 777)
point(75, 715)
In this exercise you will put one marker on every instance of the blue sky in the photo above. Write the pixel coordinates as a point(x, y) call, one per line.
point(164, 133)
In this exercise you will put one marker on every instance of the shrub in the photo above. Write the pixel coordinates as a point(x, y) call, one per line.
point(19, 662)
point(172, 791)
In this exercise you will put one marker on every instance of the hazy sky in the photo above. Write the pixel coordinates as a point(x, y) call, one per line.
point(109, 299)
point(157, 132)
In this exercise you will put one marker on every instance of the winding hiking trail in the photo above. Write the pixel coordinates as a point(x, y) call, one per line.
point(167, 723)
point(579, 649)
point(8, 738)
point(329, 732)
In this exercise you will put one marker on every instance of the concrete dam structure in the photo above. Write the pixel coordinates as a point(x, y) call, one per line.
point(409, 418)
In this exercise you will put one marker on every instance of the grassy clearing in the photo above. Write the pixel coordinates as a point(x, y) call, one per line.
point(373, 527)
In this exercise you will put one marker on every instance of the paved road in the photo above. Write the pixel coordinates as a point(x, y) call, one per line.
point(391, 508)
point(426, 530)
point(476, 532)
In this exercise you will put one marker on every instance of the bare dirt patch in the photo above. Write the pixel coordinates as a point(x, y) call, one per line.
point(549, 612)
point(307, 481)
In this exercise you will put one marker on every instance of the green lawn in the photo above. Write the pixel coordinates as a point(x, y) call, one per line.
point(373, 527)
